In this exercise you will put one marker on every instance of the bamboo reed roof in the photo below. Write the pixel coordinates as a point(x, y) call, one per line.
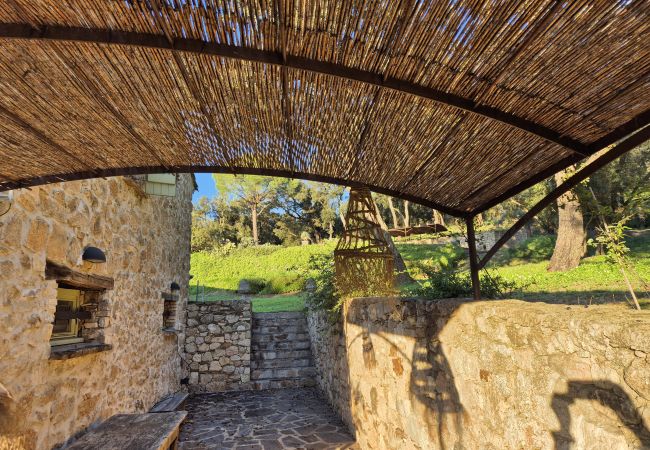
point(454, 104)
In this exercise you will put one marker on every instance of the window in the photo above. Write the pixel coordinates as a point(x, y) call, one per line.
point(66, 316)
point(161, 184)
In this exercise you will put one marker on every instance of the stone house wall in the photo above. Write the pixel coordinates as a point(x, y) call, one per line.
point(218, 345)
point(146, 240)
point(414, 374)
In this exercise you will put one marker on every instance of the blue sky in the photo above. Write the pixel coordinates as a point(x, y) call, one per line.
point(206, 186)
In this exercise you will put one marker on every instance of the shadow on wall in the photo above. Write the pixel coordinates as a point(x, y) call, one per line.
point(431, 384)
point(609, 395)
point(432, 389)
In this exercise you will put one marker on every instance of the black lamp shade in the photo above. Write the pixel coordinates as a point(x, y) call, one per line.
point(175, 286)
point(93, 255)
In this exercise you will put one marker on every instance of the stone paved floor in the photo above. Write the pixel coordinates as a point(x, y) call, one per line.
point(272, 419)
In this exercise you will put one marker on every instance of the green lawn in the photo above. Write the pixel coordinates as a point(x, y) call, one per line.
point(260, 303)
point(280, 267)
point(284, 270)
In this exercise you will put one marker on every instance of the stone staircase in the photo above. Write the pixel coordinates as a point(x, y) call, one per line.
point(281, 351)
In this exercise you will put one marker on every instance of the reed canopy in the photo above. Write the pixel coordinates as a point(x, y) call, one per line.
point(455, 104)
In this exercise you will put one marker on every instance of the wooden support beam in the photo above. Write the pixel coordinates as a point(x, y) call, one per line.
point(160, 41)
point(121, 171)
point(622, 147)
point(635, 124)
point(473, 258)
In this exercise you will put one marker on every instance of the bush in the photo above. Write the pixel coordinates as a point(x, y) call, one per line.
point(325, 295)
point(453, 284)
point(256, 284)
point(534, 249)
point(284, 284)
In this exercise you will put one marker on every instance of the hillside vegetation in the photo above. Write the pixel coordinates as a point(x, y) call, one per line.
point(283, 270)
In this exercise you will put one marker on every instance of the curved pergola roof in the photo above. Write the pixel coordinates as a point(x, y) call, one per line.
point(456, 105)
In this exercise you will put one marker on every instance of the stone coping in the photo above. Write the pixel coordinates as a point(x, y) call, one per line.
point(68, 351)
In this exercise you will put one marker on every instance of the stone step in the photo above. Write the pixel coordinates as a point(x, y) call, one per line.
point(279, 320)
point(291, 363)
point(280, 354)
point(283, 345)
point(281, 373)
point(279, 315)
point(260, 385)
point(279, 337)
point(276, 329)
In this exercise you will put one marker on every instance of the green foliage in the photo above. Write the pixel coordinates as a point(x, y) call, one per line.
point(257, 285)
point(284, 283)
point(325, 295)
point(534, 249)
point(612, 239)
point(421, 258)
point(448, 283)
point(279, 266)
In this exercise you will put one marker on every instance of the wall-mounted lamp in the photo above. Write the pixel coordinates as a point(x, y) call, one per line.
point(93, 255)
point(175, 286)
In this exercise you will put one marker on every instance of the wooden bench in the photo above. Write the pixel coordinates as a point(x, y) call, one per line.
point(172, 403)
point(157, 431)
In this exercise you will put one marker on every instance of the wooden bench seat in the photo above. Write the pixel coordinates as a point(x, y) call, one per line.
point(174, 402)
point(148, 431)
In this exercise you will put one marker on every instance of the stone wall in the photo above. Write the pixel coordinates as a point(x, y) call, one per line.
point(147, 242)
point(218, 345)
point(487, 375)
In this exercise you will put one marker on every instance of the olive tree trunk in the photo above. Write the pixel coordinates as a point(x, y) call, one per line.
point(570, 244)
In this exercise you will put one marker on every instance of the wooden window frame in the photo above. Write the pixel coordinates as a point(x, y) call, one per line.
point(72, 336)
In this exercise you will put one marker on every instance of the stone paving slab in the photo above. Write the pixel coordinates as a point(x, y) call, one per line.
point(263, 420)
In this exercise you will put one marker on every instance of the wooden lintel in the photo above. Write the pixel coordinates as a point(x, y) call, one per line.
point(58, 272)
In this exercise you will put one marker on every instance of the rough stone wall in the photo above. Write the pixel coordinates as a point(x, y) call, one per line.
point(147, 242)
point(488, 375)
point(218, 345)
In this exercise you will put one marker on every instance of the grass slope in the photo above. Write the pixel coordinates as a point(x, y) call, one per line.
point(284, 267)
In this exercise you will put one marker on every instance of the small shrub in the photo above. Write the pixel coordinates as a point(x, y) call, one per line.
point(453, 284)
point(534, 249)
point(325, 295)
point(283, 284)
point(256, 284)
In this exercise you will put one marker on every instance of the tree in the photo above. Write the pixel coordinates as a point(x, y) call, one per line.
point(253, 191)
point(393, 213)
point(570, 243)
point(407, 214)
point(329, 196)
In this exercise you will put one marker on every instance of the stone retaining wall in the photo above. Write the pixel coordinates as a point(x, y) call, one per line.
point(419, 374)
point(218, 345)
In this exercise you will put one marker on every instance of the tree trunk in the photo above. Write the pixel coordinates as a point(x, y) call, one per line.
point(330, 230)
point(569, 246)
point(393, 213)
point(380, 219)
point(254, 220)
point(438, 218)
point(342, 217)
point(407, 214)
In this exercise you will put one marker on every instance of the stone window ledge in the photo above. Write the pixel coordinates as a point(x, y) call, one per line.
point(75, 350)
point(169, 330)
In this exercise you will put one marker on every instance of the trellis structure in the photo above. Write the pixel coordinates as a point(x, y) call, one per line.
point(456, 105)
point(363, 258)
